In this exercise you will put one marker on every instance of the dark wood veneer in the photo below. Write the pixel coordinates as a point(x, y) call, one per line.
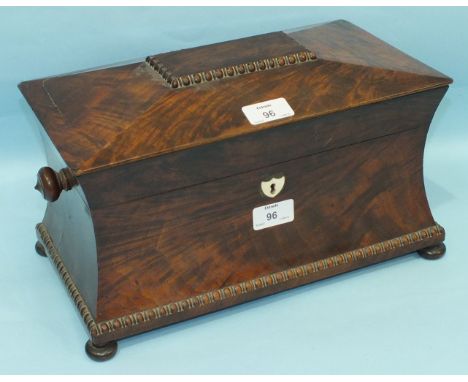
point(262, 149)
point(229, 53)
point(109, 117)
point(182, 243)
point(151, 186)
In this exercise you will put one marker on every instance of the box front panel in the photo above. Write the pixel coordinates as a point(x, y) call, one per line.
point(179, 244)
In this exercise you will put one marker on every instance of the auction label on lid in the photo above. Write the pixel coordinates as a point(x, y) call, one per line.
point(273, 214)
point(267, 111)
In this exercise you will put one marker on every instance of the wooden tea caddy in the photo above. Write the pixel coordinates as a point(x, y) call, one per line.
point(155, 173)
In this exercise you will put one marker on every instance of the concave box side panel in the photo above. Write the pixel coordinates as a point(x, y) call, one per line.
point(175, 245)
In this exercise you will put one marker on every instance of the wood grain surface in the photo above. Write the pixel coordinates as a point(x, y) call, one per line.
point(70, 226)
point(103, 118)
point(342, 41)
point(163, 181)
point(178, 244)
point(184, 168)
point(230, 53)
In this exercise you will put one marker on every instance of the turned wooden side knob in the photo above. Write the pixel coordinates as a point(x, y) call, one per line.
point(50, 183)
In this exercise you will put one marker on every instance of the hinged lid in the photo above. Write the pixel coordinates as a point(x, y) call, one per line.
point(193, 97)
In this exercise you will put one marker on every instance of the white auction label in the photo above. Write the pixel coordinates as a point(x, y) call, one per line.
point(273, 214)
point(267, 111)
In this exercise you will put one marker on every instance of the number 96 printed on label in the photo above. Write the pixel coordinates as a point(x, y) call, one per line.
point(267, 111)
point(273, 214)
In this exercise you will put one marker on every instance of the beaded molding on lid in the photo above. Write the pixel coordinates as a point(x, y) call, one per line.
point(134, 319)
point(228, 71)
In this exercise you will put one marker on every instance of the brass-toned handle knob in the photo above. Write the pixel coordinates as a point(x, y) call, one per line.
point(50, 183)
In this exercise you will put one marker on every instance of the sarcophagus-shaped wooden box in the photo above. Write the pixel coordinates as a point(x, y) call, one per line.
point(202, 178)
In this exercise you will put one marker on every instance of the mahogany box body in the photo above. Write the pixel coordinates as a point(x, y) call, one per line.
point(156, 168)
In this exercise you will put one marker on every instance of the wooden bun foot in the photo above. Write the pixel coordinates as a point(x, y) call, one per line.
point(40, 249)
point(101, 353)
point(434, 252)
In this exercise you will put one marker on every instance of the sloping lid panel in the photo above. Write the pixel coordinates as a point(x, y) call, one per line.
point(83, 112)
point(178, 100)
point(344, 42)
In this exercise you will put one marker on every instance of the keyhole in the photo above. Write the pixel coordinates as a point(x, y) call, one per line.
point(272, 188)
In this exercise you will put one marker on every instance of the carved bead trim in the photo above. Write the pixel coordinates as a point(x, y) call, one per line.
point(267, 281)
point(67, 279)
point(135, 319)
point(229, 71)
